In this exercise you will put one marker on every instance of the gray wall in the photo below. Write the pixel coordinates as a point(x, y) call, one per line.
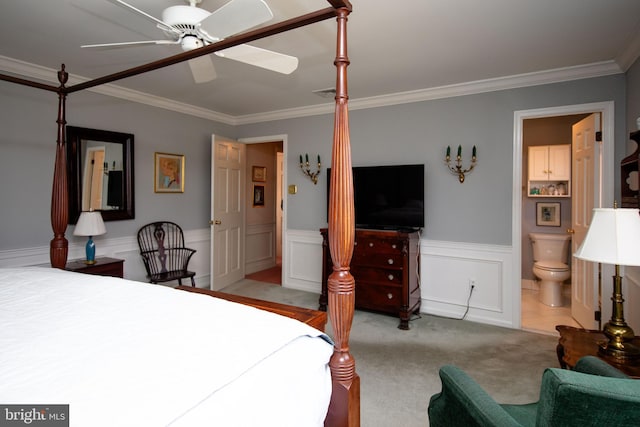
point(477, 211)
point(27, 149)
point(633, 100)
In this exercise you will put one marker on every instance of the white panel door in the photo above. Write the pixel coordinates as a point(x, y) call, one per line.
point(227, 211)
point(586, 175)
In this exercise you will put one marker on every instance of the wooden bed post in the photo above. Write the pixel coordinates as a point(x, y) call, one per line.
point(59, 246)
point(345, 398)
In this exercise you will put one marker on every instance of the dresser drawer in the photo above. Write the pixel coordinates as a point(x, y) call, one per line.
point(373, 245)
point(381, 276)
point(386, 260)
point(372, 296)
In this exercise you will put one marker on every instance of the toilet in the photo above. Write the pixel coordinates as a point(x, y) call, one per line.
point(550, 265)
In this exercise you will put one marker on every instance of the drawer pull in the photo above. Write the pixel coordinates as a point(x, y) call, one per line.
point(390, 296)
point(390, 261)
point(370, 244)
point(394, 246)
point(390, 277)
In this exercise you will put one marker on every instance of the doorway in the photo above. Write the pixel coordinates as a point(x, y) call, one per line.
point(547, 143)
point(264, 223)
point(520, 240)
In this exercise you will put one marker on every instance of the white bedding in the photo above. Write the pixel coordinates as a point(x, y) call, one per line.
point(124, 353)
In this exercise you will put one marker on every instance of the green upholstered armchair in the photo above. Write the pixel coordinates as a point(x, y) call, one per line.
point(593, 394)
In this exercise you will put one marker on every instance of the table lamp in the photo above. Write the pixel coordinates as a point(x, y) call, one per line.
point(90, 224)
point(614, 238)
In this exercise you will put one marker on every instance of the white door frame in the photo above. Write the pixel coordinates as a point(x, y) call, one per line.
point(608, 133)
point(283, 138)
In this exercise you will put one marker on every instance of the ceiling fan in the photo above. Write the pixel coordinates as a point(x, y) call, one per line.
point(192, 27)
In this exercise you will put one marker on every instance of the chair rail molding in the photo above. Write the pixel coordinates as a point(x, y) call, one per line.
point(125, 248)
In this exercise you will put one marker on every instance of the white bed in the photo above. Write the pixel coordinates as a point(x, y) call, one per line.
point(124, 353)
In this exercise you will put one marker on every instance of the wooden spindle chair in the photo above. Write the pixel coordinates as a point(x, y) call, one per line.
point(163, 252)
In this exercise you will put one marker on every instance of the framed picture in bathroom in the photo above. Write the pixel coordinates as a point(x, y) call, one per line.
point(548, 214)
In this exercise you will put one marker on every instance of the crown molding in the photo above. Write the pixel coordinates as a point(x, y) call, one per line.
point(49, 75)
point(557, 75)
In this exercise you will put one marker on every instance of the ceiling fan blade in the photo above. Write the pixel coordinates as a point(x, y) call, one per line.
point(202, 69)
point(268, 59)
point(123, 44)
point(161, 24)
point(234, 17)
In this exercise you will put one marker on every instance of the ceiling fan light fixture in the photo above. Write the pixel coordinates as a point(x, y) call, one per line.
point(191, 42)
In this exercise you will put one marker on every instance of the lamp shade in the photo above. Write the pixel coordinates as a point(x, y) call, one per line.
point(613, 237)
point(90, 224)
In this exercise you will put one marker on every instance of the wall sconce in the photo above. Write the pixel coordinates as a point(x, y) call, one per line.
point(304, 167)
point(457, 168)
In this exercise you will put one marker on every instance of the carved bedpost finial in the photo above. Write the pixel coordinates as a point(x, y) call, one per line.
point(63, 76)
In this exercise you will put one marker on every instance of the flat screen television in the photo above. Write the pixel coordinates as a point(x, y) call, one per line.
point(387, 197)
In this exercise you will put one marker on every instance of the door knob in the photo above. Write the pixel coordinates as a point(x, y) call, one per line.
point(215, 222)
point(571, 230)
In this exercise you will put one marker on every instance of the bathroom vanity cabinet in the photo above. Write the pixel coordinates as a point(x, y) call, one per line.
point(549, 171)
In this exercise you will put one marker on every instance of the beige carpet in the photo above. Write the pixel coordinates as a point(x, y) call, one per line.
point(399, 369)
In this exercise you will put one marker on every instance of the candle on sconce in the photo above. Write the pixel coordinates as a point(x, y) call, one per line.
point(448, 151)
point(459, 150)
point(318, 158)
point(306, 157)
point(473, 154)
point(300, 158)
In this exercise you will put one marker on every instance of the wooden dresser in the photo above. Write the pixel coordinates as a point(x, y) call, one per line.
point(386, 268)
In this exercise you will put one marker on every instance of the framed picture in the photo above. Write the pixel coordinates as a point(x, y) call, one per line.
point(259, 174)
point(548, 214)
point(168, 176)
point(258, 196)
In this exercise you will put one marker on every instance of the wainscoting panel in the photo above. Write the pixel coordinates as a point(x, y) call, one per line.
point(302, 263)
point(446, 269)
point(449, 269)
point(260, 247)
point(121, 247)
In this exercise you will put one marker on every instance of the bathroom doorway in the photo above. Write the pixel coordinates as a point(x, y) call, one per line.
point(551, 126)
point(550, 135)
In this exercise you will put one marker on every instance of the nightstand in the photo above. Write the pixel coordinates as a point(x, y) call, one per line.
point(575, 343)
point(104, 266)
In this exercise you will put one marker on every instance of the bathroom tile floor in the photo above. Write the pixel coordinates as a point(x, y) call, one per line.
point(540, 318)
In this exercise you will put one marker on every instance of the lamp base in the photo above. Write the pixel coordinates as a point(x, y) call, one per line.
point(618, 345)
point(624, 351)
point(90, 262)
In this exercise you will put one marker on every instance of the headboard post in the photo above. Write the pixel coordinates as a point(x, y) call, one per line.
point(59, 246)
point(345, 399)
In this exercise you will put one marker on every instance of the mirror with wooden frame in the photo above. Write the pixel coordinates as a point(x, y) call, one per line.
point(100, 173)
